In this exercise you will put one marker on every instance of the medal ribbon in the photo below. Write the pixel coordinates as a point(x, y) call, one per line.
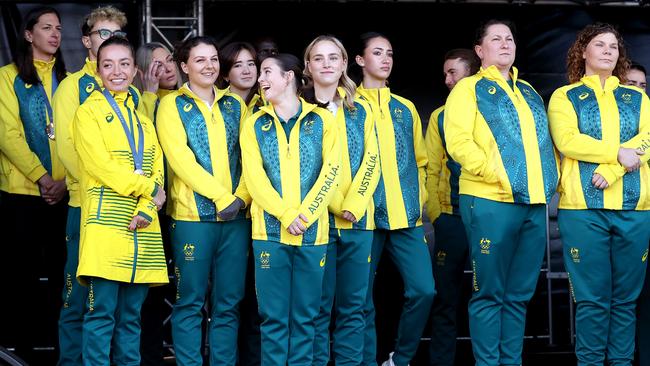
point(138, 155)
point(48, 105)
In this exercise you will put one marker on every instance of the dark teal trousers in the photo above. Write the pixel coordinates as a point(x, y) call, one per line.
point(605, 253)
point(113, 318)
point(507, 243)
point(408, 250)
point(289, 281)
point(74, 296)
point(208, 255)
point(345, 285)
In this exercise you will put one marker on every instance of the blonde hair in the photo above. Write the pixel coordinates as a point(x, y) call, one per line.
point(344, 81)
point(109, 13)
point(143, 58)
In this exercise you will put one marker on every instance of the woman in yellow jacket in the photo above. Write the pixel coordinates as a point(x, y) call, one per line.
point(198, 126)
point(120, 250)
point(497, 130)
point(291, 157)
point(238, 74)
point(602, 129)
point(32, 181)
point(350, 230)
point(99, 25)
point(398, 201)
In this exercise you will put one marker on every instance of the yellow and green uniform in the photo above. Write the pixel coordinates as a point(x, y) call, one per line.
point(350, 243)
point(111, 194)
point(249, 329)
point(26, 155)
point(26, 152)
point(443, 172)
point(115, 262)
point(291, 174)
point(604, 231)
point(399, 204)
point(451, 246)
point(397, 207)
point(70, 94)
point(201, 144)
point(151, 102)
point(291, 167)
point(497, 130)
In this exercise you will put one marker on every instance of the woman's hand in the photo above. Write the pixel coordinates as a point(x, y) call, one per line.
point(232, 210)
point(349, 216)
point(160, 198)
point(629, 158)
point(599, 181)
point(51, 190)
point(151, 77)
point(138, 222)
point(297, 227)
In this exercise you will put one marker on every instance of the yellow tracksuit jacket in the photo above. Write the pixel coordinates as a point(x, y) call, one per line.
point(111, 194)
point(360, 168)
point(499, 135)
point(151, 102)
point(202, 149)
point(26, 152)
point(71, 93)
point(287, 177)
point(443, 172)
point(589, 124)
point(400, 194)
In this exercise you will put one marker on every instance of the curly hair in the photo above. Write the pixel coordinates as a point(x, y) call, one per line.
point(576, 63)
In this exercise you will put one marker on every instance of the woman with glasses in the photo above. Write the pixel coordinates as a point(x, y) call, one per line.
point(121, 185)
point(32, 179)
point(71, 93)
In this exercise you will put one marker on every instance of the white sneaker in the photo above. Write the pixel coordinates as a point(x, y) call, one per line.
point(389, 361)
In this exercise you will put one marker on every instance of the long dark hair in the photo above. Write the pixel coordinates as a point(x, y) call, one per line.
point(24, 55)
point(288, 62)
point(227, 59)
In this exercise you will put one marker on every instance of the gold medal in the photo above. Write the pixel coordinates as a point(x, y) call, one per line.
point(49, 130)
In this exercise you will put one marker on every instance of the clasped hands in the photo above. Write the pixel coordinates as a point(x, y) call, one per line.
point(628, 158)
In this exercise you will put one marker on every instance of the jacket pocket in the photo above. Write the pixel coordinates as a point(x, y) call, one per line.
point(99, 204)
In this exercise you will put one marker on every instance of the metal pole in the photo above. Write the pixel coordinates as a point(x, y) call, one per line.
point(199, 16)
point(147, 21)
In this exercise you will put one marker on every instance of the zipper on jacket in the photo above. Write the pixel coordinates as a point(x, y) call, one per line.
point(381, 110)
point(99, 205)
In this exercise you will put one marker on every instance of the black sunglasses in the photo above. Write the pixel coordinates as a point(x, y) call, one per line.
point(107, 33)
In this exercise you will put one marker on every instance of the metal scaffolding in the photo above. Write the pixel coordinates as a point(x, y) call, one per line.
point(191, 24)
